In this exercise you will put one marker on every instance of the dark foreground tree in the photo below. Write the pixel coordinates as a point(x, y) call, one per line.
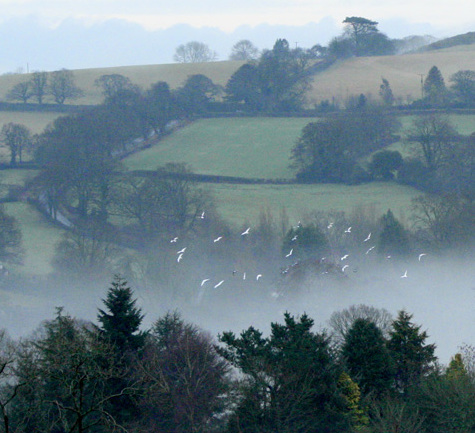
point(413, 358)
point(367, 359)
point(290, 380)
point(185, 381)
point(121, 319)
point(67, 373)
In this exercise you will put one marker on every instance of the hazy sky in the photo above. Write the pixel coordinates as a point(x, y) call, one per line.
point(229, 14)
point(77, 34)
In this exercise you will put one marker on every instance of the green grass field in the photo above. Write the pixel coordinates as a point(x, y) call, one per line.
point(245, 147)
point(243, 203)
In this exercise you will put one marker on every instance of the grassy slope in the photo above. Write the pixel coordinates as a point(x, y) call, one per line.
point(363, 74)
point(252, 148)
point(245, 147)
point(174, 74)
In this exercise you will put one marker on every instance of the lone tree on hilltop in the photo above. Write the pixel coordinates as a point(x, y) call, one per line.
point(244, 50)
point(194, 52)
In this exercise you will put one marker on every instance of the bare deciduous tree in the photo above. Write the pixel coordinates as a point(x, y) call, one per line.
point(194, 52)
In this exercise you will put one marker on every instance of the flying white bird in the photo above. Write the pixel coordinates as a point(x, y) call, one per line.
point(290, 253)
point(181, 251)
point(370, 249)
point(344, 257)
point(329, 226)
point(202, 215)
point(174, 240)
point(258, 276)
point(204, 281)
point(422, 255)
point(294, 238)
point(344, 267)
point(218, 239)
point(367, 238)
point(246, 232)
point(405, 274)
point(348, 230)
point(217, 285)
point(179, 258)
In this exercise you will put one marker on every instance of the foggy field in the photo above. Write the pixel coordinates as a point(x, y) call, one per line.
point(14, 177)
point(38, 237)
point(256, 147)
point(33, 120)
point(241, 203)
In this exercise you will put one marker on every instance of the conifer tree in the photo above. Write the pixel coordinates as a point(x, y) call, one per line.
point(435, 91)
point(412, 357)
point(121, 322)
point(393, 238)
point(366, 357)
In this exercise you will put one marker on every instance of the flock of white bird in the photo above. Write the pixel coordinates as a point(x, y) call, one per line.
point(204, 281)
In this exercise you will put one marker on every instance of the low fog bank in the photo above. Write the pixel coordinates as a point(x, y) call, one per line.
point(439, 292)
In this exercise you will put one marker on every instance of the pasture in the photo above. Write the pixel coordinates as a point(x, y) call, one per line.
point(363, 74)
point(246, 147)
point(239, 204)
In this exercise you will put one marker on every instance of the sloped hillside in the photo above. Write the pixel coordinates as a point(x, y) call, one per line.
point(363, 74)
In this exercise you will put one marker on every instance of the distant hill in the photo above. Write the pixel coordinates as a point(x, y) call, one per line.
point(465, 39)
point(343, 79)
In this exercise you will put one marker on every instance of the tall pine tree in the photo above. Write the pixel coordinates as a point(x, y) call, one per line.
point(121, 322)
point(412, 357)
point(367, 358)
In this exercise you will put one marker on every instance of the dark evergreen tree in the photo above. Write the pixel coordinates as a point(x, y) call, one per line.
point(435, 92)
point(383, 164)
point(120, 324)
point(412, 357)
point(393, 239)
point(306, 241)
point(386, 92)
point(367, 358)
point(290, 380)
